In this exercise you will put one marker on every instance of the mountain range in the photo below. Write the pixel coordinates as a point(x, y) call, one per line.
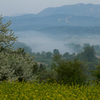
point(77, 15)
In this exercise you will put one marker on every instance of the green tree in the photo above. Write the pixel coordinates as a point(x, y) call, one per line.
point(96, 73)
point(48, 55)
point(89, 58)
point(88, 54)
point(43, 54)
point(69, 72)
point(55, 52)
point(68, 56)
point(14, 64)
point(7, 37)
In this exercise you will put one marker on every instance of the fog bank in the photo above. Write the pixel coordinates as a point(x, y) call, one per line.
point(42, 42)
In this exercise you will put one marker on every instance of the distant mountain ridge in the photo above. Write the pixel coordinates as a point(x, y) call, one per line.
point(76, 10)
point(68, 15)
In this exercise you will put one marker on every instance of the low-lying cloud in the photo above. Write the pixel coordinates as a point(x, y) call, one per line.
point(40, 42)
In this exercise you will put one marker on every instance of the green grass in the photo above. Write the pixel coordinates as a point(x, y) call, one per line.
point(53, 91)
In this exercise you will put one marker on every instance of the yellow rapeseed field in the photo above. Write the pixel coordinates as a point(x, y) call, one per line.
point(52, 91)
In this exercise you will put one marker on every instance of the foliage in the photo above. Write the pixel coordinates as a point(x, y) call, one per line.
point(96, 73)
point(88, 54)
point(14, 64)
point(19, 65)
point(69, 72)
point(7, 37)
point(88, 57)
point(68, 56)
point(55, 51)
point(46, 76)
point(29, 91)
point(43, 57)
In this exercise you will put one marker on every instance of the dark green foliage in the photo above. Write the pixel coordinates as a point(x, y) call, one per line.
point(48, 55)
point(68, 56)
point(57, 58)
point(45, 75)
point(96, 73)
point(97, 49)
point(88, 54)
point(88, 57)
point(55, 51)
point(43, 57)
point(35, 68)
point(69, 72)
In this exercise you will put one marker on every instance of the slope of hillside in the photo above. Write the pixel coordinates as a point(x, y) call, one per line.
point(77, 10)
point(68, 15)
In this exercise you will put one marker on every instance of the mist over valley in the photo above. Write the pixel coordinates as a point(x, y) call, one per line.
point(39, 41)
point(56, 28)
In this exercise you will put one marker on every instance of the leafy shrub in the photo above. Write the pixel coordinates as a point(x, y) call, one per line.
point(16, 65)
point(96, 73)
point(69, 72)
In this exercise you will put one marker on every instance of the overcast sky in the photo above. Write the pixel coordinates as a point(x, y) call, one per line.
point(18, 7)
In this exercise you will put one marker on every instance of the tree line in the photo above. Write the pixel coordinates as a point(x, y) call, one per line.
point(18, 65)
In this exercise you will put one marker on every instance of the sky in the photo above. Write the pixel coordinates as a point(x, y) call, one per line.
point(19, 7)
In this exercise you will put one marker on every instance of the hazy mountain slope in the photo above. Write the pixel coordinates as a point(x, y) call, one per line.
point(35, 23)
point(69, 15)
point(77, 10)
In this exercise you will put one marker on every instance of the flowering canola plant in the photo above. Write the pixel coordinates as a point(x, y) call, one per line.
point(52, 91)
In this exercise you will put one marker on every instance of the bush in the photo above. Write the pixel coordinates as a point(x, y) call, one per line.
point(14, 65)
point(96, 73)
point(69, 72)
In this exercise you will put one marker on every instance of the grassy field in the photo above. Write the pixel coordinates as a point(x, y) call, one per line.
point(54, 91)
